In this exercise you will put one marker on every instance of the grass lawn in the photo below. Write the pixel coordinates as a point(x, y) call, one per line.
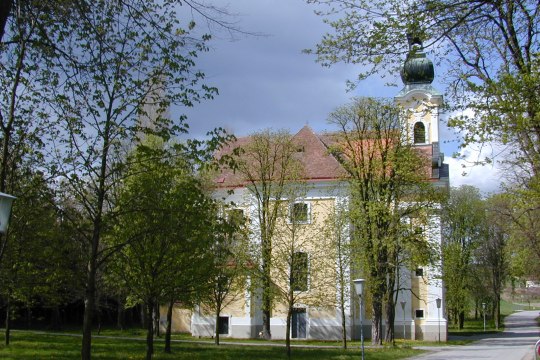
point(28, 345)
point(472, 326)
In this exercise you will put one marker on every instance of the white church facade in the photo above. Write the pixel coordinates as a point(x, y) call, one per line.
point(420, 306)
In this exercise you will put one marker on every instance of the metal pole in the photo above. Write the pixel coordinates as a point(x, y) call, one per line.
point(438, 302)
point(361, 326)
point(484, 311)
point(403, 309)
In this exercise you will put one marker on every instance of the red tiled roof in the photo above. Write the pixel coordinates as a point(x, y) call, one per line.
point(318, 163)
point(312, 152)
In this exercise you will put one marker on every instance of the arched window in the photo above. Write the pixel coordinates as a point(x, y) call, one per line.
point(419, 133)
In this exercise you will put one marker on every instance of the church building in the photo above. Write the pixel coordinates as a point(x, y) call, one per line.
point(420, 307)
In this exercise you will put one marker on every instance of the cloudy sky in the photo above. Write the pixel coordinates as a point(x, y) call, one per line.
point(266, 81)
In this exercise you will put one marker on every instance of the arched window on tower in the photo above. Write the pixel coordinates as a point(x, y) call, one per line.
point(419, 133)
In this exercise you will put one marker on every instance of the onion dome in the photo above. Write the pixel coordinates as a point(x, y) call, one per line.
point(417, 69)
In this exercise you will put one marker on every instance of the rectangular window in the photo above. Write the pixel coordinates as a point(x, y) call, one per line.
point(299, 324)
point(299, 213)
point(419, 272)
point(419, 313)
point(223, 326)
point(299, 281)
point(237, 224)
point(236, 217)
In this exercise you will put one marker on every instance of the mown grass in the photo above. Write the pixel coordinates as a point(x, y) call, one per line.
point(476, 326)
point(29, 345)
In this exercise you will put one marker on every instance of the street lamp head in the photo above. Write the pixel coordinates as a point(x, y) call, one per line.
point(403, 303)
point(484, 305)
point(6, 201)
point(438, 300)
point(359, 286)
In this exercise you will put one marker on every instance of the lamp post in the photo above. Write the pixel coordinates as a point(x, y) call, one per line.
point(403, 302)
point(359, 287)
point(484, 311)
point(6, 201)
point(438, 301)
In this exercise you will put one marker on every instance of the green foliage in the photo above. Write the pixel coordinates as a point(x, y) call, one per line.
point(227, 272)
point(270, 169)
point(41, 259)
point(164, 226)
point(387, 192)
point(464, 218)
point(488, 49)
point(522, 214)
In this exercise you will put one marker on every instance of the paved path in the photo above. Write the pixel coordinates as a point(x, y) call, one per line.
point(515, 343)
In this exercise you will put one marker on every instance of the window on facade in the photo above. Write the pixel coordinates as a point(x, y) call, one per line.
point(237, 225)
point(299, 213)
point(419, 313)
point(236, 216)
point(223, 326)
point(419, 133)
point(299, 280)
point(419, 272)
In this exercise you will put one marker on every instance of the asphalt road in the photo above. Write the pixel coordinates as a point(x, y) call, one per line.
point(515, 343)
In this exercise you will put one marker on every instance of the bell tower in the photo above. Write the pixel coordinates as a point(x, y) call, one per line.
point(419, 98)
point(421, 103)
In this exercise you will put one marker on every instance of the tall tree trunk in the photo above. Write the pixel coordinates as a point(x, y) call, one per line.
point(28, 317)
point(216, 326)
point(376, 326)
point(120, 313)
point(168, 329)
point(98, 313)
point(266, 295)
point(497, 310)
point(89, 303)
point(156, 319)
point(343, 318)
point(378, 294)
point(391, 304)
point(461, 319)
point(8, 320)
point(149, 330)
point(55, 318)
point(288, 331)
point(143, 316)
point(342, 287)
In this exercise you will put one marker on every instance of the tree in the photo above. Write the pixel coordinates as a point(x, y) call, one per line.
point(522, 213)
point(164, 228)
point(336, 229)
point(386, 188)
point(41, 263)
point(228, 278)
point(111, 61)
point(303, 258)
point(493, 252)
point(464, 219)
point(489, 49)
point(22, 120)
point(267, 164)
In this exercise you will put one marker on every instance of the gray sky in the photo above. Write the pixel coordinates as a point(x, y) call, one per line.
point(267, 82)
